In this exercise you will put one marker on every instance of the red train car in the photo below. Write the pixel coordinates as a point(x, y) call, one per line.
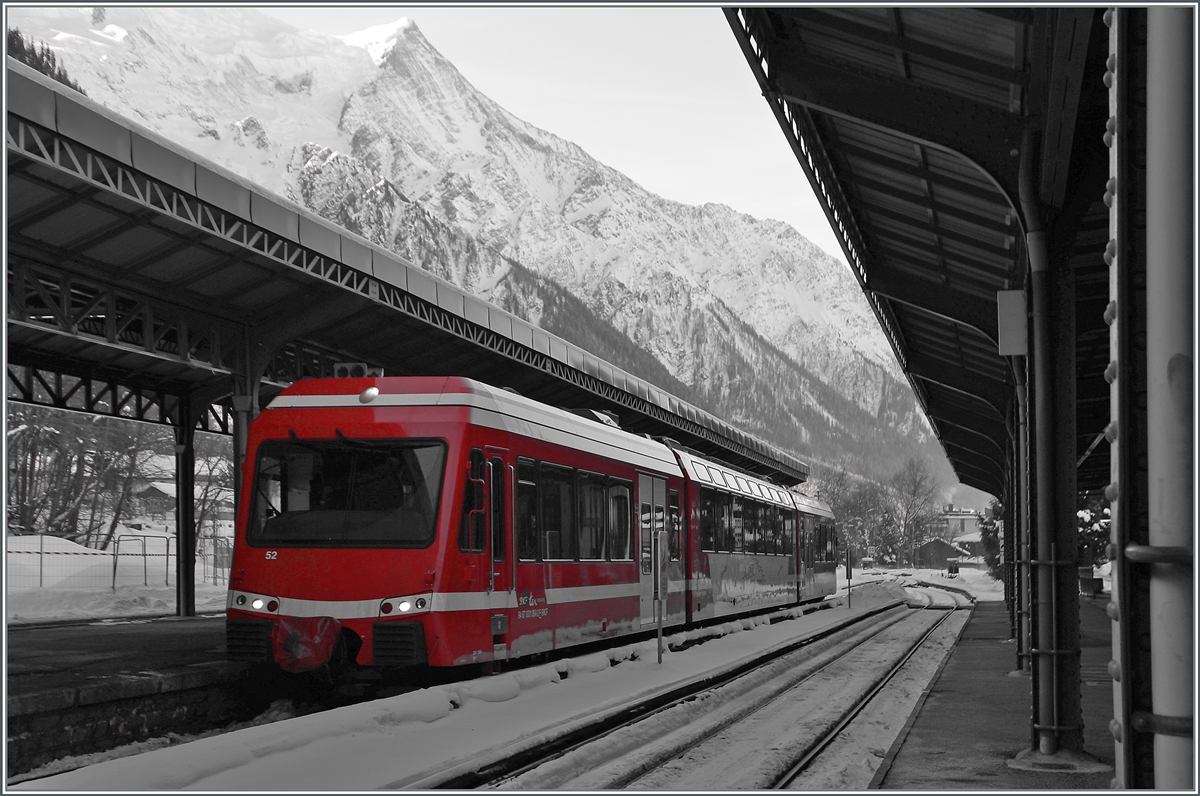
point(436, 520)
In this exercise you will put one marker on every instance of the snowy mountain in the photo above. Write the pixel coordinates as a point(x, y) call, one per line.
point(379, 132)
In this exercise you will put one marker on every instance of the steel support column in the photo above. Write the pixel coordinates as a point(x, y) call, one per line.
point(1169, 262)
point(1055, 654)
point(1044, 668)
point(1022, 517)
point(185, 510)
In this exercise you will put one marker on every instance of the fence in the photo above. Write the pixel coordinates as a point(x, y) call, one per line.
point(48, 562)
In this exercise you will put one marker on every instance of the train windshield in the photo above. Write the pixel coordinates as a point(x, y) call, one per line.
point(346, 493)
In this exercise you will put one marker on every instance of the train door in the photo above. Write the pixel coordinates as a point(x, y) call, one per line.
point(500, 544)
point(808, 557)
point(652, 511)
point(676, 543)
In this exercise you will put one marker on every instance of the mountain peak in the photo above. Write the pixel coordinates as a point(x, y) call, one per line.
point(379, 39)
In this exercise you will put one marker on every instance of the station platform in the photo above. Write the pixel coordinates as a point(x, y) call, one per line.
point(975, 717)
point(77, 688)
point(57, 666)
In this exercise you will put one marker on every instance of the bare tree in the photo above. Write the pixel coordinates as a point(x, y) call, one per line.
point(915, 495)
point(71, 474)
point(214, 476)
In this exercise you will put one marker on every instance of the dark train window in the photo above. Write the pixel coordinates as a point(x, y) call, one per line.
point(472, 527)
point(673, 530)
point(527, 525)
point(645, 515)
point(766, 529)
point(499, 541)
point(708, 520)
point(750, 525)
point(346, 493)
point(724, 506)
point(620, 520)
point(807, 542)
point(775, 515)
point(789, 531)
point(737, 526)
point(592, 530)
point(559, 539)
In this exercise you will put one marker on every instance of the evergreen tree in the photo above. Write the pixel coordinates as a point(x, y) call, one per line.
point(989, 534)
point(39, 57)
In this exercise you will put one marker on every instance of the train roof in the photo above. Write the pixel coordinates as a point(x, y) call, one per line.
point(723, 477)
point(490, 406)
point(811, 504)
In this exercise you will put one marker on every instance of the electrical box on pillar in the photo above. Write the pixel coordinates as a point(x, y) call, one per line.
point(1013, 323)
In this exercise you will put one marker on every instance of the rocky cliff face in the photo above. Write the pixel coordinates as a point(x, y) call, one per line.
point(381, 134)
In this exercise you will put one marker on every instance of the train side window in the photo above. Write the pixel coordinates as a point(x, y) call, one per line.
point(784, 546)
point(673, 523)
point(771, 518)
point(646, 516)
point(724, 522)
point(472, 529)
point(591, 516)
point(708, 520)
point(789, 530)
point(766, 529)
point(559, 539)
point(762, 534)
point(620, 520)
point(749, 526)
point(806, 536)
point(499, 541)
point(766, 516)
point(766, 522)
point(527, 524)
point(737, 542)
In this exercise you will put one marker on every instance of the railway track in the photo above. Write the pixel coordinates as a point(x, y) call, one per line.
point(801, 775)
point(737, 731)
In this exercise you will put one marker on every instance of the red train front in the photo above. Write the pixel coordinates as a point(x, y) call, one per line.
point(436, 520)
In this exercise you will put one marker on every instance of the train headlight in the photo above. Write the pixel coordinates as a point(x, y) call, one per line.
point(257, 604)
point(271, 606)
point(241, 599)
point(405, 605)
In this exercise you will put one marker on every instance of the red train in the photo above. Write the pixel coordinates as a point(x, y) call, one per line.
point(436, 520)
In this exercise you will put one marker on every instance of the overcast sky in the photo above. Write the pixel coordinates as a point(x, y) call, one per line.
point(661, 94)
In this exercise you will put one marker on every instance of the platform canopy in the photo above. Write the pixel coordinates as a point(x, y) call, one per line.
point(913, 125)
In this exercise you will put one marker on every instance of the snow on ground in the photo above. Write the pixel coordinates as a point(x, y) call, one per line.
point(22, 606)
point(48, 579)
point(977, 582)
point(397, 741)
